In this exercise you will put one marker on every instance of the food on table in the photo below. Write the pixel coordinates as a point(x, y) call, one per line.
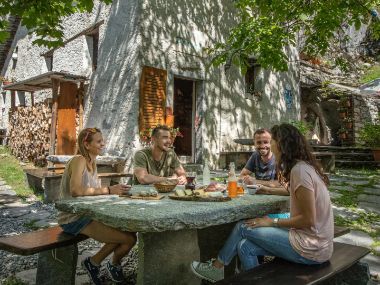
point(199, 192)
point(188, 192)
point(215, 187)
point(180, 192)
point(149, 193)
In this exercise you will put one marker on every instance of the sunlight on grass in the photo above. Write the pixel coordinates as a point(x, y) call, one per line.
point(11, 172)
point(371, 74)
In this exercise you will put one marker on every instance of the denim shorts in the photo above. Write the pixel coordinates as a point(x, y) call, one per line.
point(77, 226)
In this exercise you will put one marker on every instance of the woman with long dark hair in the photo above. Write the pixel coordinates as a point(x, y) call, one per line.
point(306, 237)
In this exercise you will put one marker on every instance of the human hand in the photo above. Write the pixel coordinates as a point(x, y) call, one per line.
point(262, 189)
point(182, 180)
point(119, 189)
point(248, 180)
point(259, 222)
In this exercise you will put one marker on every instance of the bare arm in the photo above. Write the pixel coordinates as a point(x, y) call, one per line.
point(144, 177)
point(76, 188)
point(272, 190)
point(181, 175)
point(306, 218)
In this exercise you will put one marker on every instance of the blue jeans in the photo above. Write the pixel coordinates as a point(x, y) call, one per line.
point(74, 228)
point(249, 242)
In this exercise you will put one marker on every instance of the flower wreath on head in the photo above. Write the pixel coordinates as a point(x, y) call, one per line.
point(146, 135)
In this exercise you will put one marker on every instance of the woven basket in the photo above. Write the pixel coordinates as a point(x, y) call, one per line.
point(164, 188)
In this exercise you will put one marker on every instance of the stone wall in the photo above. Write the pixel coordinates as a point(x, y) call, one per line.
point(170, 36)
point(366, 109)
point(174, 38)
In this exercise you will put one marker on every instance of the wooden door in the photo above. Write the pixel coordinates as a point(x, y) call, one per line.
point(66, 121)
point(184, 115)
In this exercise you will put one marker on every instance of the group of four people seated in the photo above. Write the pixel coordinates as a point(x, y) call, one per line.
point(303, 236)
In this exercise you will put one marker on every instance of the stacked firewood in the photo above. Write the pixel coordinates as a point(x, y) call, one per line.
point(29, 133)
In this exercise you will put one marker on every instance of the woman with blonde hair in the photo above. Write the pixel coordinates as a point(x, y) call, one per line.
point(80, 179)
point(305, 237)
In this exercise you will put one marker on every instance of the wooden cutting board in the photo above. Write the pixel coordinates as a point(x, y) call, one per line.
point(199, 198)
point(158, 197)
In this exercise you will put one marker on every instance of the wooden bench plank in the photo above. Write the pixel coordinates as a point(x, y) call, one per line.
point(37, 241)
point(281, 271)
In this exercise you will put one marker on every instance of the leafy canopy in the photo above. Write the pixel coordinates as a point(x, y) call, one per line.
point(42, 17)
point(267, 27)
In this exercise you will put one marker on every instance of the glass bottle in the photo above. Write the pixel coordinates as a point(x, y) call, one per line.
point(232, 181)
point(206, 173)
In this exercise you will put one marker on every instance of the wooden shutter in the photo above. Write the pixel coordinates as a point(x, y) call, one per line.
point(66, 123)
point(152, 98)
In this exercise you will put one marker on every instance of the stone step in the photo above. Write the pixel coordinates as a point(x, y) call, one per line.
point(351, 163)
point(341, 149)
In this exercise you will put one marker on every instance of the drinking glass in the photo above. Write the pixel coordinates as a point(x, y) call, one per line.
point(190, 179)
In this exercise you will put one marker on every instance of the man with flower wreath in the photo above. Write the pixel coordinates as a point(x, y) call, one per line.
point(158, 162)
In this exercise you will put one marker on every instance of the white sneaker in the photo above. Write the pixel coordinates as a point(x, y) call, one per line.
point(207, 271)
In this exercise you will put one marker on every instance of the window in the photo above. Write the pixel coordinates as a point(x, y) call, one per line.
point(250, 76)
point(93, 46)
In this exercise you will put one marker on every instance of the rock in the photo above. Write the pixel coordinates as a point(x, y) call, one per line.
point(375, 199)
point(372, 191)
point(342, 188)
point(356, 238)
point(370, 207)
point(8, 192)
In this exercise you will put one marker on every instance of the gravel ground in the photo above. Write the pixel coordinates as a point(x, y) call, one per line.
point(12, 225)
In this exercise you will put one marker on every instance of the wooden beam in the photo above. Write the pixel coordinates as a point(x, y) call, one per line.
point(54, 113)
point(80, 105)
point(32, 97)
point(13, 99)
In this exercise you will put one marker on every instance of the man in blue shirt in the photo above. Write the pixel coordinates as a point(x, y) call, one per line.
point(262, 164)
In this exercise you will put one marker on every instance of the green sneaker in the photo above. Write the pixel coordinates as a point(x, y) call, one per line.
point(207, 271)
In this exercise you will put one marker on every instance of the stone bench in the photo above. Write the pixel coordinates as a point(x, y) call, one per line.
point(343, 263)
point(48, 180)
point(57, 253)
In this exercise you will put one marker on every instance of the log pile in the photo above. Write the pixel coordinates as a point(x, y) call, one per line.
point(29, 133)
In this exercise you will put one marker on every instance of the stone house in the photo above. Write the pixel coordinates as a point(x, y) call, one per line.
point(145, 63)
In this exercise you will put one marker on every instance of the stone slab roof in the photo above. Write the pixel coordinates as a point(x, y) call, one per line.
point(43, 81)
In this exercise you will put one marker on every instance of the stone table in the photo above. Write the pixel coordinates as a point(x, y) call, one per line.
point(173, 233)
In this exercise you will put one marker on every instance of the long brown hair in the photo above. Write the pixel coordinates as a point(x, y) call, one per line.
point(293, 147)
point(86, 135)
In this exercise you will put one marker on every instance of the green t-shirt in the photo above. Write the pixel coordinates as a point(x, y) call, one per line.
point(165, 167)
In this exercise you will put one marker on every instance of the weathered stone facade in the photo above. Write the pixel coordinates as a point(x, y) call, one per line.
point(366, 110)
point(170, 37)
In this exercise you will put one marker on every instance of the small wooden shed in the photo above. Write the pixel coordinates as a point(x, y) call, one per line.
point(67, 103)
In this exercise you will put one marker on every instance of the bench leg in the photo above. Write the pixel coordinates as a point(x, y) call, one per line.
point(357, 274)
point(57, 266)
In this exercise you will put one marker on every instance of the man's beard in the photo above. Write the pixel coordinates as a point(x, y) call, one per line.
point(264, 151)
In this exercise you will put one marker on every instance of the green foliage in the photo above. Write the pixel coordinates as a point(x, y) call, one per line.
point(266, 28)
point(371, 74)
point(302, 126)
point(44, 18)
point(13, 280)
point(370, 133)
point(12, 173)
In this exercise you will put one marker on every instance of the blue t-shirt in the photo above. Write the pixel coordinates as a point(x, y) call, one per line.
point(262, 170)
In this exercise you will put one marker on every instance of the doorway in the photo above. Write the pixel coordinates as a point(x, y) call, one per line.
point(184, 112)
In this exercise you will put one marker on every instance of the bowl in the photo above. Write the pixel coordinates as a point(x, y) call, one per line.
point(251, 189)
point(165, 187)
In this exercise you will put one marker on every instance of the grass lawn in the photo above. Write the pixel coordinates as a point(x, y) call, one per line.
point(11, 172)
point(371, 74)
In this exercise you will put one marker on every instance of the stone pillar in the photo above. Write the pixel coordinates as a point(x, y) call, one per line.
point(164, 258)
point(57, 266)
